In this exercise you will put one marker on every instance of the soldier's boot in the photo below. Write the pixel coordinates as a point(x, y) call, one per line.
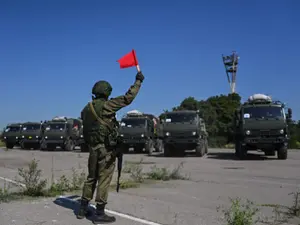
point(100, 216)
point(83, 210)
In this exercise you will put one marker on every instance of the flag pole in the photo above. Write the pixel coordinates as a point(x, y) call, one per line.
point(138, 68)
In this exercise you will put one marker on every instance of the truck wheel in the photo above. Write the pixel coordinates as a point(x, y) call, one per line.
point(200, 150)
point(282, 153)
point(43, 145)
point(167, 151)
point(159, 146)
point(240, 151)
point(83, 148)
point(9, 145)
point(149, 147)
point(69, 146)
point(206, 147)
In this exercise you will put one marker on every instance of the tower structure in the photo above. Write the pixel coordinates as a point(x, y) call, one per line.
point(231, 64)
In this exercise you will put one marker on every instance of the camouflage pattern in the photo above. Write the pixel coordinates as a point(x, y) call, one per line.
point(102, 88)
point(102, 159)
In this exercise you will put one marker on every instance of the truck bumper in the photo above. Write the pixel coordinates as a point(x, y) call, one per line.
point(54, 142)
point(259, 140)
point(36, 141)
point(135, 141)
point(186, 141)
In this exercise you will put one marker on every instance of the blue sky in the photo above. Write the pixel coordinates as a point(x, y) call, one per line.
point(52, 52)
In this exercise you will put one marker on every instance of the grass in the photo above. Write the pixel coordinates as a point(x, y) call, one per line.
point(166, 174)
point(36, 186)
point(240, 213)
point(247, 212)
point(2, 144)
point(163, 174)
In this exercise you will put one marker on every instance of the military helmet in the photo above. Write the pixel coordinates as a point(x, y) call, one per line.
point(102, 88)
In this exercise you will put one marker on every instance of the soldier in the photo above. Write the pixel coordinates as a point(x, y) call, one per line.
point(100, 134)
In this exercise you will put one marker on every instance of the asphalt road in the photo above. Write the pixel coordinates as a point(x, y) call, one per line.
point(213, 179)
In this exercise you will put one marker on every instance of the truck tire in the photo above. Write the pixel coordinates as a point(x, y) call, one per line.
point(167, 151)
point(206, 147)
point(83, 148)
point(200, 150)
point(282, 153)
point(43, 145)
point(240, 151)
point(9, 145)
point(69, 145)
point(149, 146)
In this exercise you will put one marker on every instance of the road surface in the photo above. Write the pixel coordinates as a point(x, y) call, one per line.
point(213, 179)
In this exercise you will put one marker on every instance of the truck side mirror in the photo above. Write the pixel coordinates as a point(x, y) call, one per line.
point(289, 114)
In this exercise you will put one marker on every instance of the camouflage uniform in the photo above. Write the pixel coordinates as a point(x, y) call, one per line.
point(99, 131)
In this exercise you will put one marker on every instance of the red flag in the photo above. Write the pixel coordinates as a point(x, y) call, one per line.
point(128, 60)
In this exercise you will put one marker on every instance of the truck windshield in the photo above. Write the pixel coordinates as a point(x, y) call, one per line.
point(180, 117)
point(263, 112)
point(31, 127)
point(56, 126)
point(12, 129)
point(133, 123)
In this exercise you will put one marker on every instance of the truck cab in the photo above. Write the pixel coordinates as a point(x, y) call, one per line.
point(11, 135)
point(61, 132)
point(137, 130)
point(184, 130)
point(31, 135)
point(261, 124)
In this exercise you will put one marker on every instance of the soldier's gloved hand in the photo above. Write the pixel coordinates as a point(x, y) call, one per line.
point(139, 76)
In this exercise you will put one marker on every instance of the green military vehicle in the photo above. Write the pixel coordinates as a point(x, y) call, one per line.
point(184, 130)
point(261, 124)
point(61, 132)
point(31, 135)
point(12, 135)
point(137, 130)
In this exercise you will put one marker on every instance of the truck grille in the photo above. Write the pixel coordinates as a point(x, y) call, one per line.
point(268, 133)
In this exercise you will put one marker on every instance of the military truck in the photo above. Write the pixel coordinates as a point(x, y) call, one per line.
point(31, 135)
point(61, 132)
point(137, 130)
point(184, 130)
point(11, 135)
point(261, 124)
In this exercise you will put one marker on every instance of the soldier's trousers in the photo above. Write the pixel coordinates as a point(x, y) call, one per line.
point(101, 166)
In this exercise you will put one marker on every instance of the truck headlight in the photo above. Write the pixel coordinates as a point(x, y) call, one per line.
point(61, 137)
point(248, 132)
point(167, 134)
point(46, 137)
point(142, 135)
point(81, 136)
point(281, 131)
point(122, 135)
point(194, 133)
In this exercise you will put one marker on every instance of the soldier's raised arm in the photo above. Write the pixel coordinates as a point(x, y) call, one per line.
point(115, 104)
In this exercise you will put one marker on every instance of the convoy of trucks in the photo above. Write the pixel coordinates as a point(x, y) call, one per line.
point(260, 124)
